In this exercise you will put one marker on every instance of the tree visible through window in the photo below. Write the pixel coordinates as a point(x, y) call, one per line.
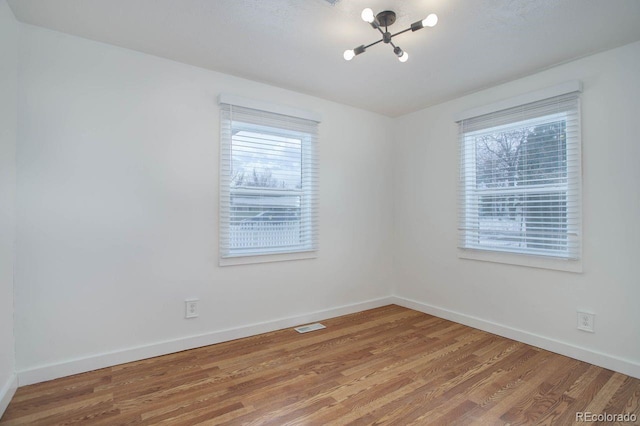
point(519, 183)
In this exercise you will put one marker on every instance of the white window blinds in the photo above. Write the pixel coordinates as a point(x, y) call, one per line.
point(519, 183)
point(268, 183)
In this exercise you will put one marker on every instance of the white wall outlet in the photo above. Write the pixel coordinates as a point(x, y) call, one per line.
point(191, 308)
point(586, 321)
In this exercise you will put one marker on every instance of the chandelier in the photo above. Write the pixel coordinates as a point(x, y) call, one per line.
point(384, 20)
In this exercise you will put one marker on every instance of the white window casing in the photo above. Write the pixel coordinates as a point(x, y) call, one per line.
point(519, 186)
point(268, 182)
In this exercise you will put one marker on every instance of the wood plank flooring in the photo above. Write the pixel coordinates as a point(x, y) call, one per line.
point(389, 365)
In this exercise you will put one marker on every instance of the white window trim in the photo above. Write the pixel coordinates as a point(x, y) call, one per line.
point(518, 259)
point(529, 260)
point(267, 258)
point(527, 98)
point(241, 259)
point(226, 98)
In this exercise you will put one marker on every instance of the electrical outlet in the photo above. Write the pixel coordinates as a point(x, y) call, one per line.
point(586, 321)
point(191, 308)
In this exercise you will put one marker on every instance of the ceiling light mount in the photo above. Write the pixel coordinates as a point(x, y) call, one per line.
point(386, 19)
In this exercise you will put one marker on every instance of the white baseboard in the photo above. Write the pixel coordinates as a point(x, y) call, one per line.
point(89, 363)
point(81, 365)
point(610, 362)
point(7, 391)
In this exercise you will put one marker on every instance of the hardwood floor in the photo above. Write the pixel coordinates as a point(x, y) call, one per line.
point(389, 365)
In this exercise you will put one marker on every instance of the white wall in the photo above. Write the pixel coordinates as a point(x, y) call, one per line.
point(535, 304)
point(117, 214)
point(117, 208)
point(8, 137)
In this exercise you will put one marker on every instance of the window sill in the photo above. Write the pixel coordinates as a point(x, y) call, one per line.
point(522, 260)
point(265, 258)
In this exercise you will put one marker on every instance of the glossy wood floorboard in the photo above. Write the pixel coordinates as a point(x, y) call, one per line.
point(389, 365)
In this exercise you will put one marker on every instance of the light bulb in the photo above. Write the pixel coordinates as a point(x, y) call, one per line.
point(367, 15)
point(349, 54)
point(430, 21)
point(403, 57)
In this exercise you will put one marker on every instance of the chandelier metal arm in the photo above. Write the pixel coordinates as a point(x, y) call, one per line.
point(390, 37)
point(373, 44)
point(401, 32)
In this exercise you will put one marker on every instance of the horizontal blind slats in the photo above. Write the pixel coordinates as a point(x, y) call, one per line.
point(268, 184)
point(519, 180)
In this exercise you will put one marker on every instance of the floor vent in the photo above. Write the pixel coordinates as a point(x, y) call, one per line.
point(310, 327)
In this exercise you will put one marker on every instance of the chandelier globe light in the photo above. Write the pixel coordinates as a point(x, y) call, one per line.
point(384, 20)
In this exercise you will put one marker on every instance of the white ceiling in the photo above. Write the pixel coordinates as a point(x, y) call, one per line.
point(298, 44)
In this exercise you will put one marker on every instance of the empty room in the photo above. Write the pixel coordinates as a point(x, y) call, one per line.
point(312, 212)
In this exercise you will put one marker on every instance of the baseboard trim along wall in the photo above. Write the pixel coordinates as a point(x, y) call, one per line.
point(7, 391)
point(620, 365)
point(81, 365)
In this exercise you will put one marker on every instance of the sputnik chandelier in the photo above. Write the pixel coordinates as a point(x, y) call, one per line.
point(386, 19)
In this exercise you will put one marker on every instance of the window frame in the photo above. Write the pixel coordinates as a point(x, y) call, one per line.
point(308, 192)
point(467, 154)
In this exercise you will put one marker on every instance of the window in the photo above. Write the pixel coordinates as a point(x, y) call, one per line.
point(520, 177)
point(268, 182)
